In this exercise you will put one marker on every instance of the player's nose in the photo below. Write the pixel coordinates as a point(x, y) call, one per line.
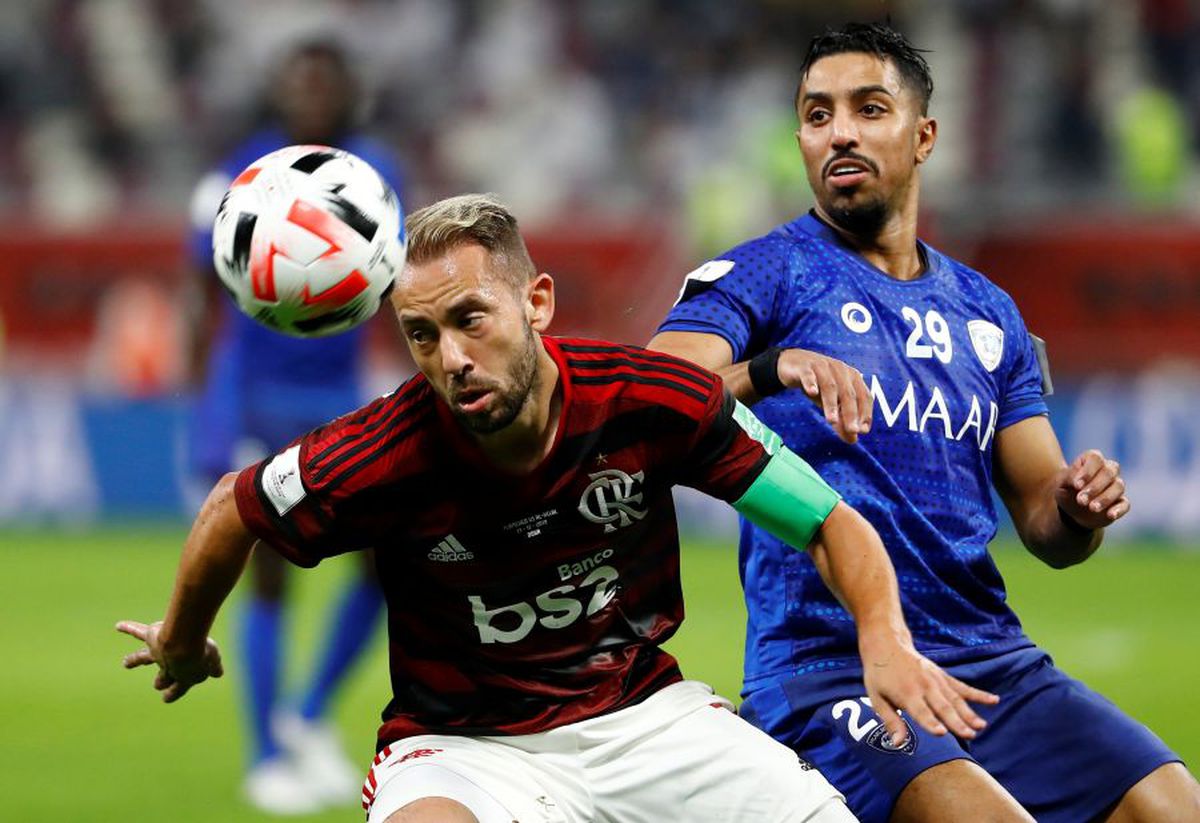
point(843, 131)
point(455, 359)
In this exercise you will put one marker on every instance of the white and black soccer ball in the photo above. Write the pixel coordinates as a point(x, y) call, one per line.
point(308, 240)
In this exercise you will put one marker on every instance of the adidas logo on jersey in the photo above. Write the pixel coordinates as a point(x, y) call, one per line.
point(450, 551)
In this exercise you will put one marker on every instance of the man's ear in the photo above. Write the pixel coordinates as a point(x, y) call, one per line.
point(926, 138)
point(539, 305)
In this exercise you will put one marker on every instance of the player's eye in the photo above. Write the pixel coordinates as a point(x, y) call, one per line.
point(873, 110)
point(817, 116)
point(419, 336)
point(472, 321)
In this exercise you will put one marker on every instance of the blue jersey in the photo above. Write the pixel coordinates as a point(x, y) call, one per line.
point(949, 363)
point(278, 359)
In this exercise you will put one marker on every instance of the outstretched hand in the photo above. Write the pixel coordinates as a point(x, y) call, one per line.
point(177, 675)
point(1091, 491)
point(838, 388)
point(899, 678)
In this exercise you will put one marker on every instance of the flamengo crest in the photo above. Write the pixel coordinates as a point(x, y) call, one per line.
point(612, 498)
point(988, 341)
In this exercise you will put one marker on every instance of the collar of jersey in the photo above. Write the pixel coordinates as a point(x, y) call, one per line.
point(814, 226)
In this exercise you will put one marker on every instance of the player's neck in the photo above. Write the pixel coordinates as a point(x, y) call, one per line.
point(520, 447)
point(893, 249)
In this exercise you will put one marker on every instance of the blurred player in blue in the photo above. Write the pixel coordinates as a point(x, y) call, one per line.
point(262, 389)
point(928, 390)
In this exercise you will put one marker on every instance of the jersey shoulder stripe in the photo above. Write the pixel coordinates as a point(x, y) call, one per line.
point(639, 355)
point(366, 420)
point(621, 365)
point(617, 378)
point(364, 448)
point(701, 382)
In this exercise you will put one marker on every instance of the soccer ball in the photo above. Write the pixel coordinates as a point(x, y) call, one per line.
point(308, 240)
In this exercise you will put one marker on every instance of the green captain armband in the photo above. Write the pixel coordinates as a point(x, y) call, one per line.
point(788, 499)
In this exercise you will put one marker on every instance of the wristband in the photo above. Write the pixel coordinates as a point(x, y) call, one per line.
point(763, 369)
point(1072, 524)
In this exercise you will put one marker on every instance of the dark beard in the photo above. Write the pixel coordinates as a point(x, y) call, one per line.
point(865, 220)
point(524, 381)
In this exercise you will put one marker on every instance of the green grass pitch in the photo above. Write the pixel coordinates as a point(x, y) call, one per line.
point(84, 739)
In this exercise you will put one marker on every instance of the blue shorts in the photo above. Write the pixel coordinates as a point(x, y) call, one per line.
point(1063, 751)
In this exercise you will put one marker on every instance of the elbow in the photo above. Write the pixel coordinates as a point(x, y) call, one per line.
point(1063, 556)
point(1061, 561)
point(221, 502)
point(223, 493)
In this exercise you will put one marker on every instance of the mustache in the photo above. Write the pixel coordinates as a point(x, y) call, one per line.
point(460, 386)
point(849, 155)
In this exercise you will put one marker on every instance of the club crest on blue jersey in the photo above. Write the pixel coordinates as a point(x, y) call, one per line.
point(856, 317)
point(988, 341)
point(881, 739)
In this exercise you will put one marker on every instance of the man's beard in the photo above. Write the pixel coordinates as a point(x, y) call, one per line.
point(865, 220)
point(522, 379)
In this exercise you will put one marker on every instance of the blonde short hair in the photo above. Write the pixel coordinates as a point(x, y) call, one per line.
point(479, 219)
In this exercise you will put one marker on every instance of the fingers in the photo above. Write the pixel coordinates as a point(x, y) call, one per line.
point(1118, 511)
point(134, 629)
point(952, 710)
point(866, 403)
point(836, 387)
point(848, 427)
point(176, 691)
point(931, 697)
point(142, 657)
point(1083, 469)
point(973, 694)
point(212, 660)
point(1104, 490)
point(897, 729)
point(1098, 485)
point(840, 391)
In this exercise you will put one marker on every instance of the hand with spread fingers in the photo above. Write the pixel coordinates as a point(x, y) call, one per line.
point(1091, 491)
point(838, 388)
point(176, 673)
point(898, 677)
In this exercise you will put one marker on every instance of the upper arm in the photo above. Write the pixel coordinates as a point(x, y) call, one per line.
point(1026, 462)
point(708, 350)
point(737, 296)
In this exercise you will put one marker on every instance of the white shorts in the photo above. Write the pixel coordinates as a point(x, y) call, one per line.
point(681, 754)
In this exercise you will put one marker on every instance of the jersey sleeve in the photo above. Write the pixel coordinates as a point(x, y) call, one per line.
point(735, 296)
point(724, 459)
point(1023, 390)
point(314, 499)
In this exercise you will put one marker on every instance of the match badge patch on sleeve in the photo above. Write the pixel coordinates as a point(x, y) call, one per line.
point(702, 278)
point(281, 481)
point(988, 341)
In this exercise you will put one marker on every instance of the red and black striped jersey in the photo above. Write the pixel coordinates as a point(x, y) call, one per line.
point(516, 603)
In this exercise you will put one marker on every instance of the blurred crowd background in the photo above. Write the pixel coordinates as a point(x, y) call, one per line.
point(634, 138)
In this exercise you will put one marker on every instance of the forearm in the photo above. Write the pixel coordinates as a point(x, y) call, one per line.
point(737, 380)
point(1053, 538)
point(851, 560)
point(214, 556)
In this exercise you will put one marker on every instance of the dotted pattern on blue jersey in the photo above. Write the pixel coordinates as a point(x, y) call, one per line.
point(949, 363)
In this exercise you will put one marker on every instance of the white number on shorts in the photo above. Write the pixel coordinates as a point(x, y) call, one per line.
point(857, 730)
point(938, 330)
